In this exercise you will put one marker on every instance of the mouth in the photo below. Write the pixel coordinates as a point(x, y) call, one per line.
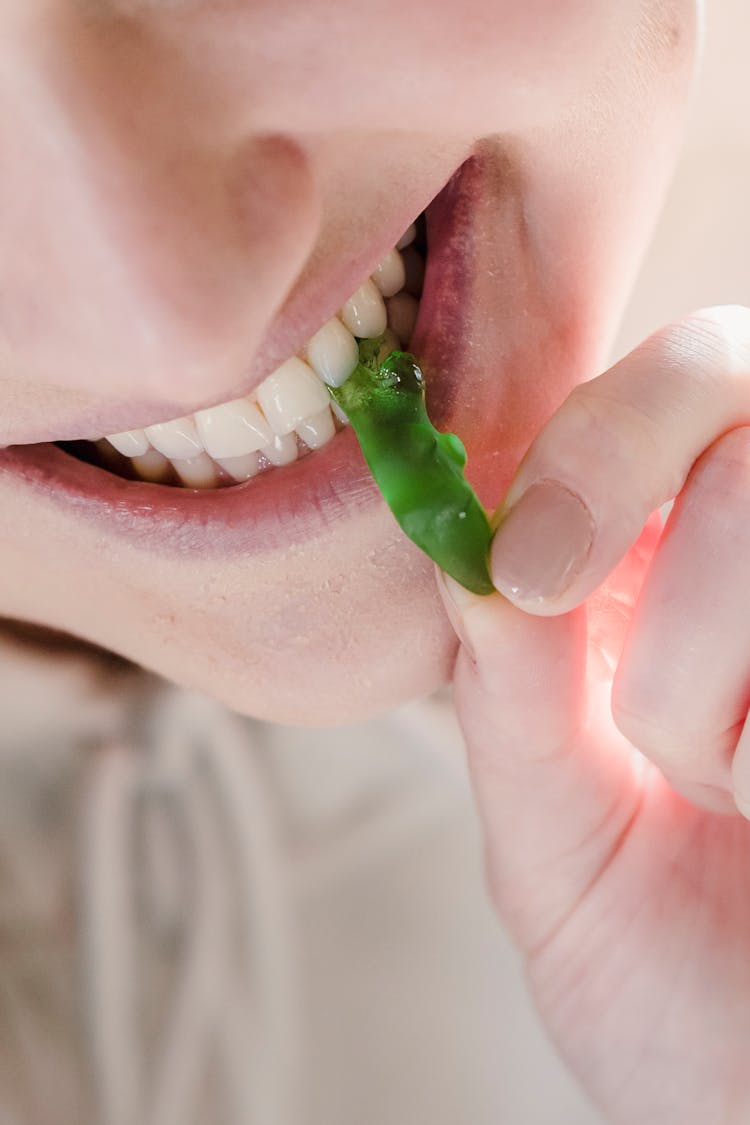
point(188, 487)
point(290, 414)
point(279, 466)
point(301, 575)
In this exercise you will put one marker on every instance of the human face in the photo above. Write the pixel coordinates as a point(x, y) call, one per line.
point(191, 189)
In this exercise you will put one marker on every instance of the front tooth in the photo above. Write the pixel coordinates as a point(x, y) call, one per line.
point(293, 392)
point(390, 274)
point(340, 413)
point(152, 466)
point(402, 315)
point(177, 440)
point(196, 472)
point(317, 430)
point(131, 443)
point(364, 313)
point(282, 450)
point(109, 457)
point(333, 353)
point(241, 468)
point(232, 429)
point(407, 237)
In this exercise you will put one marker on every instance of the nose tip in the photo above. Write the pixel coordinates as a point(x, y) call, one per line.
point(140, 257)
point(206, 251)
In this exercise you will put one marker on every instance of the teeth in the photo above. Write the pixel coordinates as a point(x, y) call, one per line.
point(364, 313)
point(177, 440)
point(291, 410)
point(282, 450)
point(131, 443)
point(402, 315)
point(196, 472)
point(152, 466)
point(319, 429)
point(390, 275)
point(407, 237)
point(333, 353)
point(339, 413)
point(109, 456)
point(292, 393)
point(241, 468)
point(232, 429)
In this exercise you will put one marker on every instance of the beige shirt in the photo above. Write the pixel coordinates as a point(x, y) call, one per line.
point(209, 919)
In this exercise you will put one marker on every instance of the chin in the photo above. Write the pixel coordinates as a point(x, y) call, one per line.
point(331, 653)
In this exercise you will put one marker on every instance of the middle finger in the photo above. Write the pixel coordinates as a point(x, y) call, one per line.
point(682, 688)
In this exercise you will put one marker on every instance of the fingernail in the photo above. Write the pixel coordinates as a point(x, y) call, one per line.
point(456, 600)
point(542, 543)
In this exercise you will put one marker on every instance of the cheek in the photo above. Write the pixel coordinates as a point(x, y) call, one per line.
point(477, 67)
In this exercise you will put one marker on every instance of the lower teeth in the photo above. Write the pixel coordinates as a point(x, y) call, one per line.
point(266, 431)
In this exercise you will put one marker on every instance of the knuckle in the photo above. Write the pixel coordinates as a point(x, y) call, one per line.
point(729, 456)
point(610, 423)
point(719, 484)
point(622, 424)
point(652, 731)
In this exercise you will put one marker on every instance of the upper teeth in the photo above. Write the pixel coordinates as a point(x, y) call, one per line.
point(242, 436)
point(332, 352)
point(290, 394)
point(177, 440)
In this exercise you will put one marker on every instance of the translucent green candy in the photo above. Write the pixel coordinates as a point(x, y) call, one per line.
point(419, 470)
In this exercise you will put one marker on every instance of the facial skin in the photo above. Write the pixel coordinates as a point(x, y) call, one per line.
point(190, 189)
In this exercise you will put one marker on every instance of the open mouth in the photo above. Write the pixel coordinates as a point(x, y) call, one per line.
point(290, 414)
point(301, 574)
point(189, 485)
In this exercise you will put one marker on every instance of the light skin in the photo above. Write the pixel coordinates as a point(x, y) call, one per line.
point(189, 191)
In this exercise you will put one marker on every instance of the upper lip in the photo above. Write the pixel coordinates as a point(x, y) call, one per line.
point(314, 299)
point(296, 503)
point(476, 360)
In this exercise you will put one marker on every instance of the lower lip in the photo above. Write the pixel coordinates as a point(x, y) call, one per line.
point(275, 510)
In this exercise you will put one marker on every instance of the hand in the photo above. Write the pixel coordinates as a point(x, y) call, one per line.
point(624, 876)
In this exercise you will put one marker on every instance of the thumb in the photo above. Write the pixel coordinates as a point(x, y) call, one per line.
point(620, 446)
point(555, 782)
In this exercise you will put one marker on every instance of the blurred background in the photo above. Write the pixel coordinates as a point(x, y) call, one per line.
point(699, 255)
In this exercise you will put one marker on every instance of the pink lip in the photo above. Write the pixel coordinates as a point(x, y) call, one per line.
point(277, 509)
point(274, 510)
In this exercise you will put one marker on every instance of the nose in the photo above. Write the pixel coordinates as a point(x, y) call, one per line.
point(145, 244)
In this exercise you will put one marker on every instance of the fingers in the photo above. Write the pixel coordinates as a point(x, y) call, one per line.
point(620, 446)
point(555, 783)
point(682, 688)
